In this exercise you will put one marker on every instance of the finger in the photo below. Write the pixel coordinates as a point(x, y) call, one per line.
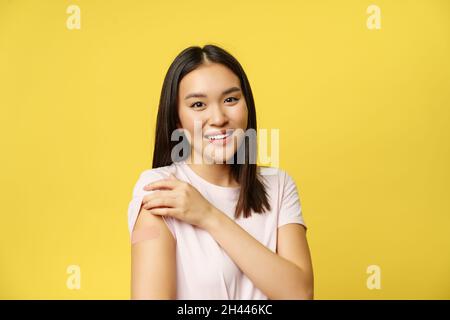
point(160, 194)
point(162, 184)
point(163, 211)
point(159, 202)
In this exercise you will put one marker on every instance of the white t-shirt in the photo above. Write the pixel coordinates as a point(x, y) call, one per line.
point(204, 269)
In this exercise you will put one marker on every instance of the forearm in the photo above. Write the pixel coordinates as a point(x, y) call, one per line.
point(275, 276)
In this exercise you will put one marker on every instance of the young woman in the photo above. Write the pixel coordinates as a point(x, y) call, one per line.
point(221, 227)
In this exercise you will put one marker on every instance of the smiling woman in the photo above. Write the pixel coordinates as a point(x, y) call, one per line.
point(214, 228)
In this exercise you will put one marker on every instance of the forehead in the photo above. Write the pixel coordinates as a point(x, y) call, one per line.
point(211, 79)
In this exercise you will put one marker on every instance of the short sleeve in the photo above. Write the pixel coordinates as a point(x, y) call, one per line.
point(290, 207)
point(139, 193)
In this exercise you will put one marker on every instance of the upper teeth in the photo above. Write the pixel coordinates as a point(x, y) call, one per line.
point(219, 136)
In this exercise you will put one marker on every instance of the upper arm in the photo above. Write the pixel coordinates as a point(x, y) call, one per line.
point(153, 261)
point(293, 246)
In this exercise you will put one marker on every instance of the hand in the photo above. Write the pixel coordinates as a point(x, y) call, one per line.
point(180, 200)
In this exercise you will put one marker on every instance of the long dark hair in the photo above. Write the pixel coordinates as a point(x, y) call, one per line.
point(253, 195)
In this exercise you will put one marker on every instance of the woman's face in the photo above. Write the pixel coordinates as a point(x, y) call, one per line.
point(212, 103)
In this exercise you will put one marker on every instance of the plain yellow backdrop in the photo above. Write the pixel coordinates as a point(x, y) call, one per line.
point(363, 118)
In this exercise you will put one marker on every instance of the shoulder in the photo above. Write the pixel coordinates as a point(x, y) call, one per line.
point(276, 177)
point(150, 175)
point(147, 176)
point(155, 173)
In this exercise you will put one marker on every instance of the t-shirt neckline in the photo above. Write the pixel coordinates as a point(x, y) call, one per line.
point(230, 191)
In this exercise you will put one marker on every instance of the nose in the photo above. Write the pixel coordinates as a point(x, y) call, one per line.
point(218, 117)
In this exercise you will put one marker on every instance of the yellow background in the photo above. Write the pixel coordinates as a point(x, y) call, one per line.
point(363, 118)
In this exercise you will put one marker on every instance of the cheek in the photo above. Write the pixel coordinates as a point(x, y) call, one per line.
point(188, 119)
point(240, 116)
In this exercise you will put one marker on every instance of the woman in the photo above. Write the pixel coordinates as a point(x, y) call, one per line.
point(221, 227)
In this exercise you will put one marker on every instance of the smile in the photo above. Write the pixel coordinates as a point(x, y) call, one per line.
point(219, 138)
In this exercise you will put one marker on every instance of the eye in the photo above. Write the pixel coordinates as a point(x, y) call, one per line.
point(197, 104)
point(233, 99)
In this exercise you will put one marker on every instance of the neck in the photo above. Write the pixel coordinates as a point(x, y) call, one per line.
point(216, 173)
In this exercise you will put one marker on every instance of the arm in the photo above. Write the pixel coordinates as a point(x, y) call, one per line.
point(286, 275)
point(293, 246)
point(153, 261)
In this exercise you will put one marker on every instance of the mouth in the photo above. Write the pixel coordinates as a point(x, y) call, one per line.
point(220, 138)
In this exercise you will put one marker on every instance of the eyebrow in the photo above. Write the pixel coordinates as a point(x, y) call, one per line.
point(202, 95)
